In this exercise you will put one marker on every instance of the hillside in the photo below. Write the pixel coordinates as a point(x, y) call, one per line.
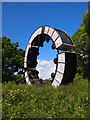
point(23, 101)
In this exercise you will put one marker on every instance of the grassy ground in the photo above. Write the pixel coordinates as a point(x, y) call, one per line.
point(23, 101)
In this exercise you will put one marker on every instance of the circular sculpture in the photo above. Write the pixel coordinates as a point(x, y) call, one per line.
point(65, 61)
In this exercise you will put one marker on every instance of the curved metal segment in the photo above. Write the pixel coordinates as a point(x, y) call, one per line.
point(59, 37)
point(61, 41)
point(37, 32)
point(27, 78)
point(59, 69)
point(46, 29)
point(66, 68)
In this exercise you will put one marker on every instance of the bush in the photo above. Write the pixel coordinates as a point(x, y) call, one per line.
point(19, 79)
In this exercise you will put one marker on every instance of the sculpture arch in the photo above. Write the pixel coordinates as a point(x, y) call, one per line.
point(65, 61)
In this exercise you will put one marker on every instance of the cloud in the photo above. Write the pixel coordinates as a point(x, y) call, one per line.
point(45, 68)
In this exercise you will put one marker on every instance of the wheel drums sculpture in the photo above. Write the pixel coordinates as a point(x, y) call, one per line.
point(65, 61)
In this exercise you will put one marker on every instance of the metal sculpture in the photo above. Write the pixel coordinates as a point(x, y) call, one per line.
point(65, 61)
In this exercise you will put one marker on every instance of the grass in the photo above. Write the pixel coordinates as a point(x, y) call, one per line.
point(35, 101)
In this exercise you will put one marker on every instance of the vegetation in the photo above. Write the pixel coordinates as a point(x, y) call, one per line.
point(80, 38)
point(23, 101)
point(12, 60)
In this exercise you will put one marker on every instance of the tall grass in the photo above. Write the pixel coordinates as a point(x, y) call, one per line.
point(35, 101)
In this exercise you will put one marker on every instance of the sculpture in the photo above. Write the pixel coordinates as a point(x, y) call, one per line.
point(65, 61)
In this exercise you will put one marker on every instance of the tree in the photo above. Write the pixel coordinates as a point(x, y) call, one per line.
point(12, 60)
point(80, 38)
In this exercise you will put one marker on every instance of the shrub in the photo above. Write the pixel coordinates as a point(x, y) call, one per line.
point(19, 79)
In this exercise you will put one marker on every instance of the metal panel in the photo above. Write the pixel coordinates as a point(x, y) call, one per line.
point(51, 30)
point(26, 52)
point(46, 30)
point(61, 67)
point(70, 67)
point(25, 59)
point(58, 42)
point(55, 83)
point(37, 32)
point(61, 57)
point(65, 37)
point(26, 74)
point(54, 36)
point(65, 46)
point(59, 77)
point(27, 81)
point(25, 65)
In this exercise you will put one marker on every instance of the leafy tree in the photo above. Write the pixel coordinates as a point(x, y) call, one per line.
point(80, 38)
point(12, 60)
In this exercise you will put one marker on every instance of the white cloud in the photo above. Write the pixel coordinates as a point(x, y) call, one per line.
point(45, 68)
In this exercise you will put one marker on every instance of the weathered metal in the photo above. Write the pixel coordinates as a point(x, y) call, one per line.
point(65, 61)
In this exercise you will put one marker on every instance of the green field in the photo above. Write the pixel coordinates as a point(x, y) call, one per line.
point(35, 101)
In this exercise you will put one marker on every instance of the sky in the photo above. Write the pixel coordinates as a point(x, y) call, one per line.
point(20, 20)
point(44, 0)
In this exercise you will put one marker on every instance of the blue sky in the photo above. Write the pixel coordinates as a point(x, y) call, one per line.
point(19, 20)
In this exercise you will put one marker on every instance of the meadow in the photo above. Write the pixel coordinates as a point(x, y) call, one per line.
point(44, 101)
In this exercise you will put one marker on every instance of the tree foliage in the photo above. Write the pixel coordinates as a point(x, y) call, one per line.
point(12, 59)
point(80, 38)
